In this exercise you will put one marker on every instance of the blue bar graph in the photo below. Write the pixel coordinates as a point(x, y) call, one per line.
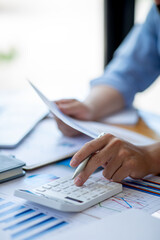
point(4, 205)
point(33, 227)
point(11, 211)
point(28, 220)
point(18, 215)
point(50, 229)
point(22, 214)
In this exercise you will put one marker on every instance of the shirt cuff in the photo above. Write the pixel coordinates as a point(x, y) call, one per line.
point(116, 84)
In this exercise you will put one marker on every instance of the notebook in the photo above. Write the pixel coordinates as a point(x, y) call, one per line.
point(10, 168)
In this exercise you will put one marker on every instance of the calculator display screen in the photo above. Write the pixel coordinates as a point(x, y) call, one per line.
point(73, 199)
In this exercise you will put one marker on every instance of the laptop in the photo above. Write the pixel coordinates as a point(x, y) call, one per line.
point(17, 120)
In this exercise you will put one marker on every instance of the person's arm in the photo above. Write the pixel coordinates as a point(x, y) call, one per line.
point(119, 158)
point(136, 63)
point(104, 100)
point(135, 66)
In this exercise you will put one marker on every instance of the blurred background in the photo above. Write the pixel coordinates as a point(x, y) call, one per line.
point(59, 45)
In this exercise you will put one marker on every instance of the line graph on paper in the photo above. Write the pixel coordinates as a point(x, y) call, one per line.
point(126, 200)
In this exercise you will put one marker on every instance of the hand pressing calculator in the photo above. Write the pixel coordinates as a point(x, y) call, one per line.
point(62, 194)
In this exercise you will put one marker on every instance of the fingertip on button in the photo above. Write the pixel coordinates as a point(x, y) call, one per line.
point(78, 181)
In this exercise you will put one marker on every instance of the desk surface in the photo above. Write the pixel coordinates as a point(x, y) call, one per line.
point(142, 128)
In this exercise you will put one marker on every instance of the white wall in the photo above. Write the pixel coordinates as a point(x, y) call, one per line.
point(59, 46)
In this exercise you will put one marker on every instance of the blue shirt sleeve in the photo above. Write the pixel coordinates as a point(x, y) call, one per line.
point(136, 63)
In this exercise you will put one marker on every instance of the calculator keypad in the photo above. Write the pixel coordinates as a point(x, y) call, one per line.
point(93, 188)
point(62, 194)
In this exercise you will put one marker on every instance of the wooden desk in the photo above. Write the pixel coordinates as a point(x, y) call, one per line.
point(142, 128)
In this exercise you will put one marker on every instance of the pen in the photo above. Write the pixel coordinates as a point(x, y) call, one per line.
point(84, 163)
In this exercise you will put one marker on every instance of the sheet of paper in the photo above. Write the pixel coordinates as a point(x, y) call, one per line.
point(131, 225)
point(46, 144)
point(128, 199)
point(22, 220)
point(76, 124)
point(4, 235)
point(156, 214)
point(93, 129)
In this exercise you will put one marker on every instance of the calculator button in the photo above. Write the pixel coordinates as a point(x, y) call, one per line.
point(56, 189)
point(40, 190)
point(112, 184)
point(67, 184)
point(94, 179)
point(53, 184)
point(104, 181)
point(88, 183)
point(46, 187)
point(61, 181)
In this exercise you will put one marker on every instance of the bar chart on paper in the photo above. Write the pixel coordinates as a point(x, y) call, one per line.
point(21, 222)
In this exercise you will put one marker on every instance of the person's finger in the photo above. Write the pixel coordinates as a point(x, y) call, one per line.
point(122, 172)
point(57, 119)
point(98, 159)
point(112, 166)
point(72, 108)
point(116, 162)
point(59, 122)
point(65, 129)
point(90, 148)
point(93, 163)
point(67, 106)
point(63, 101)
point(75, 109)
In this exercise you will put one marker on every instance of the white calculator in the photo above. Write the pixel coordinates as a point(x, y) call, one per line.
point(62, 194)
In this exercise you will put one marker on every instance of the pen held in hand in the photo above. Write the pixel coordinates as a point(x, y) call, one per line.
point(84, 163)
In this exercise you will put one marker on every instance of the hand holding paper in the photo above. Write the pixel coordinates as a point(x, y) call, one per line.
point(77, 109)
point(118, 157)
point(90, 128)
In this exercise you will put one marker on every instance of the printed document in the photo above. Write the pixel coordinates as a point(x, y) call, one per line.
point(93, 129)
